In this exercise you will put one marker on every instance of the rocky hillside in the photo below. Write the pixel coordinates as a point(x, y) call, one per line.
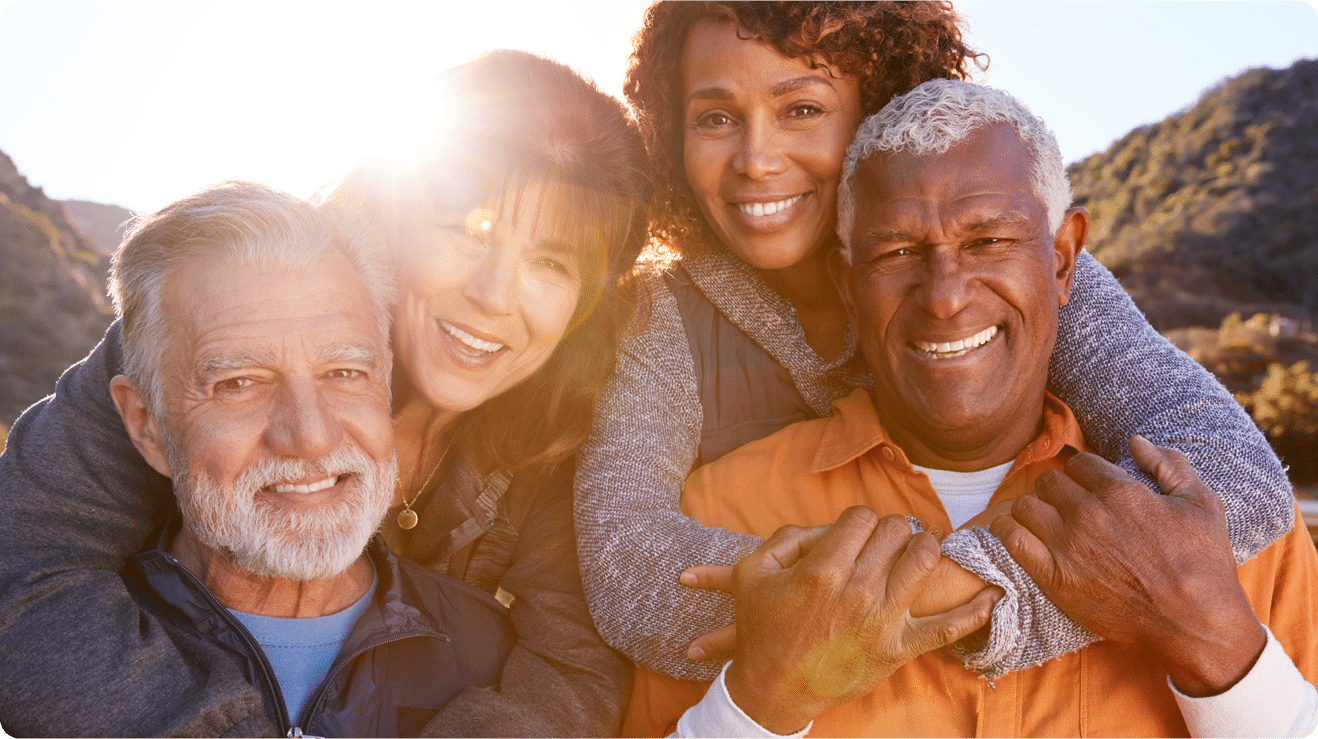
point(52, 292)
point(1215, 209)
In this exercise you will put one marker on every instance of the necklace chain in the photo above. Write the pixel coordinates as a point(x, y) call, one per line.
point(407, 518)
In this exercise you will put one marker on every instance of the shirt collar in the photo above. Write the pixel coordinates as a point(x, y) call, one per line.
point(854, 430)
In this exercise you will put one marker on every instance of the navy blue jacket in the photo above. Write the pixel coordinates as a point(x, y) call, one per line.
point(425, 638)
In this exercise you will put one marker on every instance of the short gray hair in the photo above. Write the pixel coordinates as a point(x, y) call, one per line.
point(938, 114)
point(243, 221)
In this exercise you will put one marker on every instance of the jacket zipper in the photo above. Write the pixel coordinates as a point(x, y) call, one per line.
point(304, 717)
point(267, 671)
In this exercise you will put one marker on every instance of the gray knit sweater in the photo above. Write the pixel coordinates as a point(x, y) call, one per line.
point(1118, 375)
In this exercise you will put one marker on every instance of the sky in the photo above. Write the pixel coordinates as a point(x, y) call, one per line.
point(139, 102)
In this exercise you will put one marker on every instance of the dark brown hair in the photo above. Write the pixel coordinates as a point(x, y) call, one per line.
point(890, 47)
point(516, 119)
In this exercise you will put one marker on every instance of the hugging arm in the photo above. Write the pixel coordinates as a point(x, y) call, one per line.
point(80, 657)
point(1122, 378)
point(632, 537)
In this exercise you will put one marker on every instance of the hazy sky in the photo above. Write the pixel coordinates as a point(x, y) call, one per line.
point(138, 103)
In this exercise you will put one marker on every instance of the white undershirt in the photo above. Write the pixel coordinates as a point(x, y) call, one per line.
point(965, 494)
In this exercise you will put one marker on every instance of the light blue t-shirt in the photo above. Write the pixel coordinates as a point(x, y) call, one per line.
point(301, 650)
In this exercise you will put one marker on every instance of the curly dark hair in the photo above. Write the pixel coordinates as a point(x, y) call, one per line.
point(515, 120)
point(890, 47)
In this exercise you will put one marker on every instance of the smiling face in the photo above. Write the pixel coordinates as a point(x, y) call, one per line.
point(953, 286)
point(275, 413)
point(486, 293)
point(764, 143)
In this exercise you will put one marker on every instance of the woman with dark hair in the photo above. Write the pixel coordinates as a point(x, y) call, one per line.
point(511, 236)
point(747, 109)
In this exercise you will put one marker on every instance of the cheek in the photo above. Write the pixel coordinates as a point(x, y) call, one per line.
point(549, 310)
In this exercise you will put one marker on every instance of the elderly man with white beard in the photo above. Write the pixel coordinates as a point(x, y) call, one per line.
point(257, 378)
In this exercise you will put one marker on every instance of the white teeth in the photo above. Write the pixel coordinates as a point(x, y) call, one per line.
point(958, 347)
point(489, 347)
point(313, 487)
point(767, 209)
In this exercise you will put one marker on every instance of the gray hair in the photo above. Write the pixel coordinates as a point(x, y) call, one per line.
point(243, 221)
point(938, 114)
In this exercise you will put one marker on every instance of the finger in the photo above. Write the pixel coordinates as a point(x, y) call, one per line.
point(1075, 492)
point(910, 571)
point(1174, 473)
point(1041, 517)
point(841, 545)
point(1027, 549)
point(714, 644)
point(708, 577)
point(932, 632)
point(783, 549)
point(1098, 476)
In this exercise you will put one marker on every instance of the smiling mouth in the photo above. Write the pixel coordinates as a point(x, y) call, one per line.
point(480, 345)
point(767, 209)
point(960, 347)
point(314, 487)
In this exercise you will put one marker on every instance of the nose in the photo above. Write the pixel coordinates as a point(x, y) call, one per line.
point(946, 285)
point(492, 282)
point(759, 154)
point(302, 424)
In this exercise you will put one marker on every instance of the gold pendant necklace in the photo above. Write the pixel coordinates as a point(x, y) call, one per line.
point(407, 518)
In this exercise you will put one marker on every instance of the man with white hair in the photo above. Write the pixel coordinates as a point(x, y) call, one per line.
point(255, 333)
point(959, 246)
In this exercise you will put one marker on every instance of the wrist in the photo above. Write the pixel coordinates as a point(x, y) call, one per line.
point(1211, 662)
point(773, 709)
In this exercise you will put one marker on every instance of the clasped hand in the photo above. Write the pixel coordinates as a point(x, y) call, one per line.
point(823, 615)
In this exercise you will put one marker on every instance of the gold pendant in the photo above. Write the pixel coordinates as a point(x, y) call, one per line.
point(407, 519)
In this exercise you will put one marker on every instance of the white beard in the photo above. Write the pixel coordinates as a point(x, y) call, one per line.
point(269, 541)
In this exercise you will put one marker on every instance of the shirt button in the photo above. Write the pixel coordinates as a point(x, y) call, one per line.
point(888, 454)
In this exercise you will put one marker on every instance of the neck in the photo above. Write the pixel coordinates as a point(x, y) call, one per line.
point(270, 596)
point(963, 450)
point(422, 434)
point(810, 290)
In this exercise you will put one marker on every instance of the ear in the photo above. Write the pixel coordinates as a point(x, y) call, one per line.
point(143, 428)
point(839, 269)
point(1067, 243)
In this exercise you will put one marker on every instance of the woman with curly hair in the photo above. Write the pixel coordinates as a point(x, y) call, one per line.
point(747, 109)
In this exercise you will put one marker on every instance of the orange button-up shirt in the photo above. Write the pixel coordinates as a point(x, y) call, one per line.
point(808, 473)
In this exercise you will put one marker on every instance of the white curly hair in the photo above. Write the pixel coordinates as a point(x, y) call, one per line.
point(940, 113)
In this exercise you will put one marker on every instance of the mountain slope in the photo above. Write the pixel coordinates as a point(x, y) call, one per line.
point(1215, 209)
point(52, 293)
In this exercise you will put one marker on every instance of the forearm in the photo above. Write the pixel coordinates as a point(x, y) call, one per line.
point(632, 538)
point(1122, 378)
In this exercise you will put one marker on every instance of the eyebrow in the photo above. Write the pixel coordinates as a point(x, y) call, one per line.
point(213, 365)
point(350, 353)
point(888, 236)
point(1007, 218)
point(714, 92)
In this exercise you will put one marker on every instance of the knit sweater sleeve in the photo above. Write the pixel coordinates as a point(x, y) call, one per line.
point(80, 657)
point(632, 539)
point(1121, 377)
